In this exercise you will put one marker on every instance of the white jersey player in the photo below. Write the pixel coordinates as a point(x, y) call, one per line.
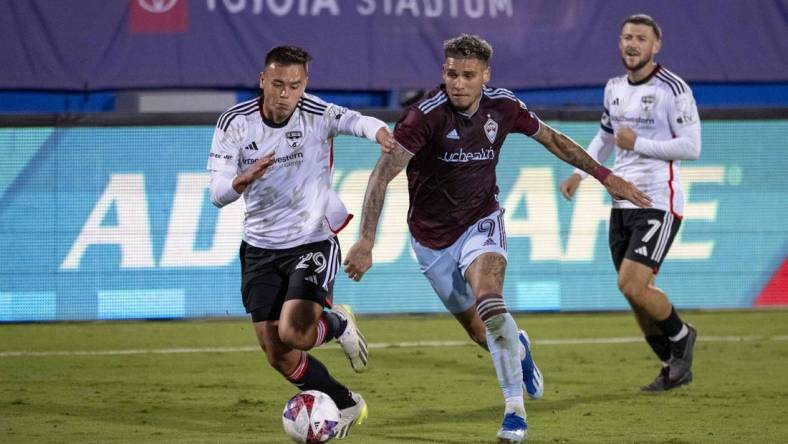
point(651, 121)
point(293, 202)
point(660, 109)
point(277, 151)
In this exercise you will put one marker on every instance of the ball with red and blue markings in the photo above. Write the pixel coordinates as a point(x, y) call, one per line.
point(310, 417)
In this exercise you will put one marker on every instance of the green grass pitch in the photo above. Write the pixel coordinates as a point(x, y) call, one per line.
point(205, 382)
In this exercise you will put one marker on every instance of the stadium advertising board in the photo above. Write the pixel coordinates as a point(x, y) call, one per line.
point(116, 222)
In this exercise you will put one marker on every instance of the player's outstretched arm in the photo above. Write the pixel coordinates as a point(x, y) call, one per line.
point(359, 258)
point(565, 148)
point(570, 152)
point(622, 190)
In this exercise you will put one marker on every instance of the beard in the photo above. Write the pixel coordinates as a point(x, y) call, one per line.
point(637, 66)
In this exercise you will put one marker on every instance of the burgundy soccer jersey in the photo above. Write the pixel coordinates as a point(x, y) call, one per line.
point(451, 177)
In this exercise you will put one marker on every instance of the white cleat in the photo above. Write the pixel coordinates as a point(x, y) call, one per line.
point(351, 416)
point(351, 340)
point(533, 382)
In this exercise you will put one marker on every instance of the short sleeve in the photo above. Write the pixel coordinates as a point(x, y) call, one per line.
point(526, 121)
point(225, 147)
point(412, 131)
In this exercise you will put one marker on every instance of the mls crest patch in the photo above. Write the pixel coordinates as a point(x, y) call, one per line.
point(490, 129)
point(294, 138)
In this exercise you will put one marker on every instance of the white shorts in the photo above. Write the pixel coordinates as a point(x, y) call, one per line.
point(445, 269)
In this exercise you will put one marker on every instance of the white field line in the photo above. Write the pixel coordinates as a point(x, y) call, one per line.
point(377, 345)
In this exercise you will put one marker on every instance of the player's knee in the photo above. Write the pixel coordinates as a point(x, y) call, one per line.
point(632, 290)
point(297, 338)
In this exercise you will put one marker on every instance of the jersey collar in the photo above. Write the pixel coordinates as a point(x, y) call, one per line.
point(647, 78)
point(461, 113)
point(271, 123)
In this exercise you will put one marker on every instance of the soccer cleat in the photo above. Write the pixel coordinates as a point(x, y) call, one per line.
point(680, 363)
point(514, 429)
point(533, 382)
point(351, 416)
point(662, 382)
point(351, 340)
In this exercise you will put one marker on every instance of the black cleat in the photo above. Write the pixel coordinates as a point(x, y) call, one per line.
point(662, 382)
point(680, 364)
point(659, 384)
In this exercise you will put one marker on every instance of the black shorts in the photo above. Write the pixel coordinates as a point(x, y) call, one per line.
point(641, 235)
point(270, 277)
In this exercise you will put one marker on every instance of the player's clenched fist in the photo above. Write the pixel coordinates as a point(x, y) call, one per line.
point(386, 140)
point(358, 260)
point(569, 186)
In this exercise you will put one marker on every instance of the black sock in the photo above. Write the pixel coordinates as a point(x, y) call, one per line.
point(329, 326)
point(336, 325)
point(311, 374)
point(672, 325)
point(661, 346)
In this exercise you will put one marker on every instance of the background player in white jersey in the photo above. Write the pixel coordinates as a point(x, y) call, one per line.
point(277, 150)
point(450, 142)
point(651, 119)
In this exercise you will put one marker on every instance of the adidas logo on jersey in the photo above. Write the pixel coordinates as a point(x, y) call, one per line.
point(642, 251)
point(312, 279)
point(453, 135)
point(252, 146)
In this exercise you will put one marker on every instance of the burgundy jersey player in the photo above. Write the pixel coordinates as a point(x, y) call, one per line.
point(451, 176)
point(450, 142)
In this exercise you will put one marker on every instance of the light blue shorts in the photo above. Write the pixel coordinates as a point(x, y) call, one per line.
point(445, 269)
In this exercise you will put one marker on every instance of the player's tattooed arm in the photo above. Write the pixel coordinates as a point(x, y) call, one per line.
point(569, 151)
point(388, 166)
point(359, 258)
point(565, 148)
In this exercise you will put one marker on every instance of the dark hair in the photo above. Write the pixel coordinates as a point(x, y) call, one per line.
point(288, 55)
point(644, 19)
point(468, 46)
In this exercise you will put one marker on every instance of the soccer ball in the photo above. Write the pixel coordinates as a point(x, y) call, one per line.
point(310, 417)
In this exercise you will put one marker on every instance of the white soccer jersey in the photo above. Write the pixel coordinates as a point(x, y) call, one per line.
point(662, 112)
point(288, 205)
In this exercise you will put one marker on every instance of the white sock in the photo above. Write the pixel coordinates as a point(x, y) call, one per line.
point(516, 404)
point(504, 346)
point(680, 335)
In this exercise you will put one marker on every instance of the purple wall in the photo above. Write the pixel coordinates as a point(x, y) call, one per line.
point(374, 44)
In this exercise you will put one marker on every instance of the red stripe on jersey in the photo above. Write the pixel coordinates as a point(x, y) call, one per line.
point(331, 154)
point(670, 186)
point(341, 227)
